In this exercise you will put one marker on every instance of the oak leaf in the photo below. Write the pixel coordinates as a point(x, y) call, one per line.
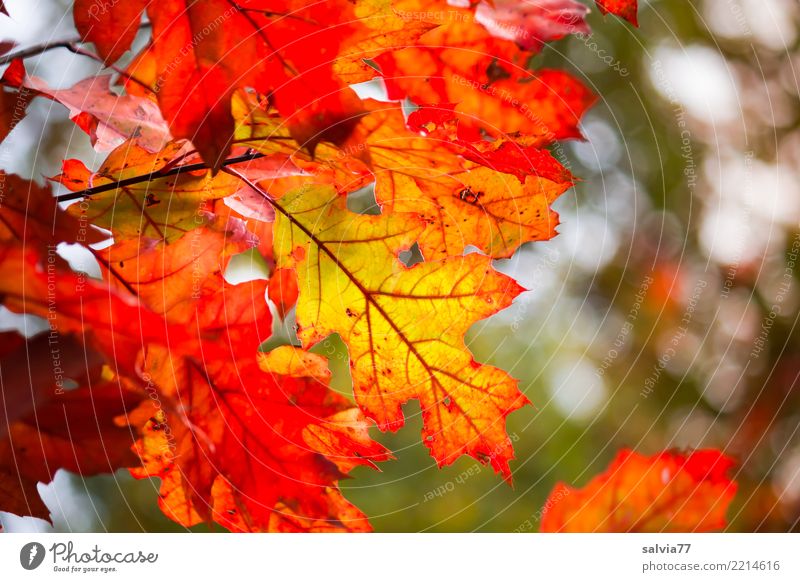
point(492, 195)
point(493, 93)
point(165, 208)
point(667, 492)
point(352, 283)
point(240, 454)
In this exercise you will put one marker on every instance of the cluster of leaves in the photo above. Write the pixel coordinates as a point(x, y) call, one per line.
point(239, 130)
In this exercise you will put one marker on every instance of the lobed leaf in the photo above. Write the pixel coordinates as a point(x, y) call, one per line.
point(404, 327)
point(666, 492)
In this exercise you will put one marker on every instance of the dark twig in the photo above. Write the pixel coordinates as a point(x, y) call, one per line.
point(155, 175)
point(37, 49)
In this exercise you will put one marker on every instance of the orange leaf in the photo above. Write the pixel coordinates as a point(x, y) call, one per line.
point(460, 188)
point(668, 492)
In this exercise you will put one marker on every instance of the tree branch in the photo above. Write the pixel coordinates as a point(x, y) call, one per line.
point(38, 49)
point(46, 46)
point(155, 175)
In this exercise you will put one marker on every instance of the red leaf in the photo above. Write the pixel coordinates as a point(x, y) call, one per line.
point(29, 213)
point(283, 290)
point(51, 428)
point(111, 26)
point(626, 9)
point(241, 455)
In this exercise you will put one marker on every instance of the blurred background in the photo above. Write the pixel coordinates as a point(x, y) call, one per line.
point(664, 315)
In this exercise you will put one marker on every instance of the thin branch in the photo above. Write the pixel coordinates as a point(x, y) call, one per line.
point(37, 49)
point(153, 176)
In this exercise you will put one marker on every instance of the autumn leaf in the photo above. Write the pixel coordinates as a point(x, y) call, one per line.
point(531, 24)
point(13, 106)
point(466, 198)
point(177, 379)
point(161, 209)
point(626, 9)
point(111, 26)
point(352, 283)
point(29, 213)
point(47, 427)
point(481, 68)
point(109, 119)
point(239, 456)
point(216, 459)
point(546, 105)
point(667, 492)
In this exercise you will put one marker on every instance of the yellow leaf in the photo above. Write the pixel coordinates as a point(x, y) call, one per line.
point(404, 327)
